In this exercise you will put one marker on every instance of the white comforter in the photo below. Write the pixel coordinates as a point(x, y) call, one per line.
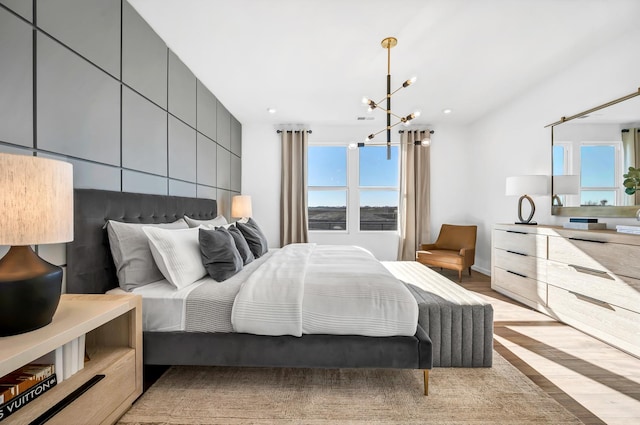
point(324, 289)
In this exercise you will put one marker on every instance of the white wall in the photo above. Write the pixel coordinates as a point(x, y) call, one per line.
point(513, 140)
point(469, 164)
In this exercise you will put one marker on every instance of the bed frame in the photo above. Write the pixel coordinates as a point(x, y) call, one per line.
point(90, 269)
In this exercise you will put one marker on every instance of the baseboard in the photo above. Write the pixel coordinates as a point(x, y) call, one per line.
point(481, 270)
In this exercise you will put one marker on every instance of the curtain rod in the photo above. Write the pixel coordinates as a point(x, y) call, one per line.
point(293, 131)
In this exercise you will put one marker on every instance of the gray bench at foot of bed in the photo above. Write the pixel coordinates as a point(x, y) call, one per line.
point(458, 322)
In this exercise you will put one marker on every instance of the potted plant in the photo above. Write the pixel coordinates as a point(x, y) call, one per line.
point(631, 181)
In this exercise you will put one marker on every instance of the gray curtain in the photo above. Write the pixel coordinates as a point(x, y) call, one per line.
point(293, 188)
point(414, 208)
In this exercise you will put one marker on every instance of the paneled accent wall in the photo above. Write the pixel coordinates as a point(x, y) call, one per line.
point(91, 83)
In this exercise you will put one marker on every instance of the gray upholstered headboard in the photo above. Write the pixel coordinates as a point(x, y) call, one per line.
point(90, 268)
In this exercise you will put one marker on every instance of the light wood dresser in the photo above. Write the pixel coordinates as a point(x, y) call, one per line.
point(589, 279)
point(112, 325)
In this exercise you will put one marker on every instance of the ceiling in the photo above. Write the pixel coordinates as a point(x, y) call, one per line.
point(314, 60)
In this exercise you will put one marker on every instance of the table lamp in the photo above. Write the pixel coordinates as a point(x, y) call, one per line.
point(241, 206)
point(526, 186)
point(36, 207)
point(565, 185)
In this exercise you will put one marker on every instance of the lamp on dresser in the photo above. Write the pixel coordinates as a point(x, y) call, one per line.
point(525, 186)
point(241, 206)
point(36, 207)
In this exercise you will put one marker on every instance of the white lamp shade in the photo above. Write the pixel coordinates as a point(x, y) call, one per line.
point(241, 206)
point(527, 185)
point(566, 185)
point(36, 200)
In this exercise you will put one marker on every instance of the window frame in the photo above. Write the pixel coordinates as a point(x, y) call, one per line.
point(617, 171)
point(353, 190)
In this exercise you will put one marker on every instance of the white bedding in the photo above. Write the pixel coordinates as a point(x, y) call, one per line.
point(324, 289)
point(340, 290)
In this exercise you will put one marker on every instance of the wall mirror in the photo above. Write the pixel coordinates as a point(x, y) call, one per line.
point(590, 153)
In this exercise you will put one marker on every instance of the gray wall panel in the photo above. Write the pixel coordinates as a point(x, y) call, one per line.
point(236, 136)
point(223, 173)
point(206, 163)
point(15, 150)
point(54, 253)
point(224, 203)
point(182, 150)
point(206, 109)
point(16, 80)
point(206, 192)
point(78, 106)
point(23, 8)
point(90, 175)
point(144, 57)
point(144, 134)
point(179, 188)
point(182, 90)
point(236, 173)
point(133, 181)
point(223, 126)
point(90, 27)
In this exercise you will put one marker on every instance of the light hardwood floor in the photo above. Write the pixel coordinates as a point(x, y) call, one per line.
point(596, 382)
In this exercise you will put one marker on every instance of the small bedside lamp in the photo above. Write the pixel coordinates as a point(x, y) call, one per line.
point(241, 206)
point(36, 207)
point(564, 185)
point(525, 186)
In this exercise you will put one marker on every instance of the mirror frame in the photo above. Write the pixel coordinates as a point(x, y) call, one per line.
point(592, 211)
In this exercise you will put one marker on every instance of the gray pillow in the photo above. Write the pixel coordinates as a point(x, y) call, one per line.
point(242, 245)
point(131, 253)
point(220, 257)
point(255, 238)
point(215, 222)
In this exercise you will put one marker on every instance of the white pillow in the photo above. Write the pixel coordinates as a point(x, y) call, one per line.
point(131, 254)
point(177, 254)
point(214, 222)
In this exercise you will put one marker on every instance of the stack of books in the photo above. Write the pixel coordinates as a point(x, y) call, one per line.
point(584, 224)
point(23, 385)
point(634, 230)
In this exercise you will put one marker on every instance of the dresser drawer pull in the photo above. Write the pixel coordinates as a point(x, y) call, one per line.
point(586, 240)
point(515, 231)
point(517, 274)
point(592, 300)
point(517, 253)
point(592, 272)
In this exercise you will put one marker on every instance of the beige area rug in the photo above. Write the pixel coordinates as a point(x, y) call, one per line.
point(216, 395)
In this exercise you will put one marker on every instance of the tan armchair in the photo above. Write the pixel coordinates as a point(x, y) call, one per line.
point(455, 249)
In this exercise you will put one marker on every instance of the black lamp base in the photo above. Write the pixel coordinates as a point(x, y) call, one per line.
point(29, 291)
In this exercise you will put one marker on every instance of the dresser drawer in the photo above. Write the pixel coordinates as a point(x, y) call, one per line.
point(531, 290)
point(525, 265)
point(521, 242)
point(618, 290)
point(608, 322)
point(616, 258)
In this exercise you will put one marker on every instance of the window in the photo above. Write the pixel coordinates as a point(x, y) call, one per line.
point(378, 188)
point(598, 171)
point(327, 187)
point(353, 186)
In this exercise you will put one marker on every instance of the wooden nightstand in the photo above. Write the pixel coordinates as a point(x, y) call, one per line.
point(113, 328)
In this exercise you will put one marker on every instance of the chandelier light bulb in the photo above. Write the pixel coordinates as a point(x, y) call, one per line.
point(365, 100)
point(353, 145)
point(417, 113)
point(446, 111)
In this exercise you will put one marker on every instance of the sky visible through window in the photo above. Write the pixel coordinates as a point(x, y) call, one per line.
point(597, 170)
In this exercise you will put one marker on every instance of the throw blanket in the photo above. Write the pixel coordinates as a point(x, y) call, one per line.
point(324, 289)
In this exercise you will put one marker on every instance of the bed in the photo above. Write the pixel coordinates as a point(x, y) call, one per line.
point(90, 269)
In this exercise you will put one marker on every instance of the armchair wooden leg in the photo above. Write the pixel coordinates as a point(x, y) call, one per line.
point(460, 276)
point(469, 271)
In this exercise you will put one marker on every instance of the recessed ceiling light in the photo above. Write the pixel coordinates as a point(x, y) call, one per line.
point(446, 111)
point(271, 110)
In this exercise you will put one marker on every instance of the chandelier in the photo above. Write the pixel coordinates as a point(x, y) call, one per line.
point(388, 43)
